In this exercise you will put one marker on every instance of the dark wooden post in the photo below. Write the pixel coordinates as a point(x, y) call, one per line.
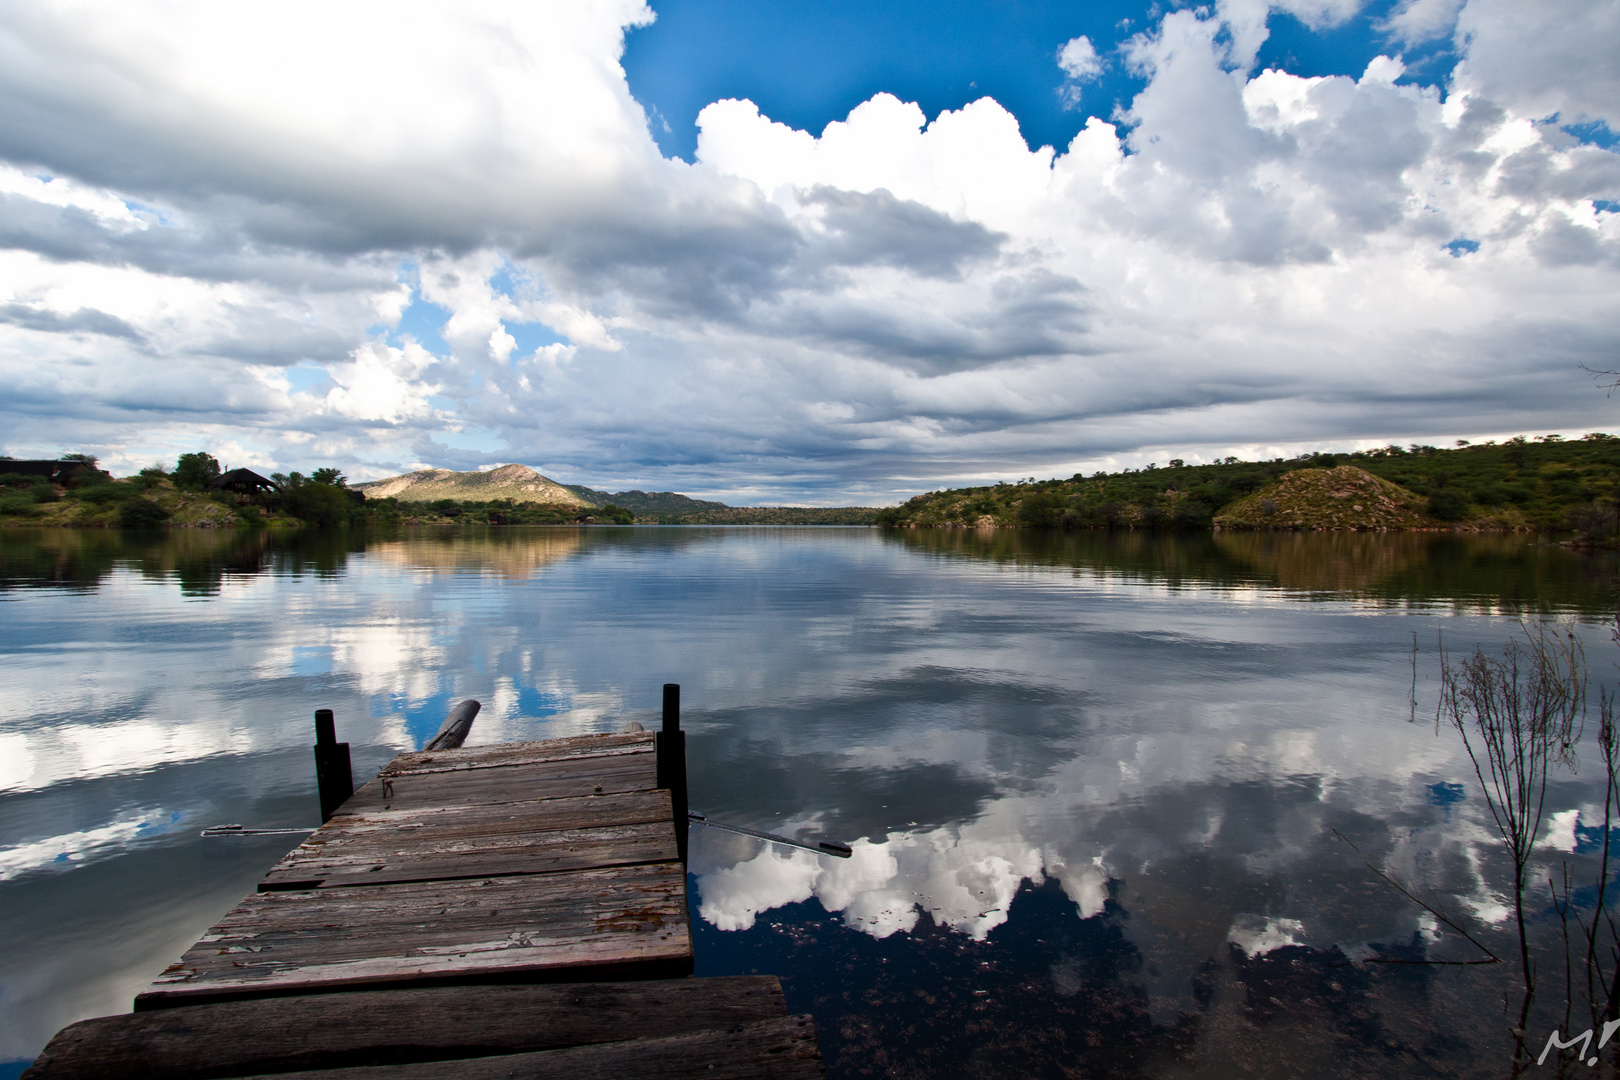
point(670, 744)
point(456, 726)
point(333, 775)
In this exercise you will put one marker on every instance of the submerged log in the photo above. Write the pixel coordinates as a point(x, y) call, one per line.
point(456, 726)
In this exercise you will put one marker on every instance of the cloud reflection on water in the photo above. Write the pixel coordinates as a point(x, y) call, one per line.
point(1112, 763)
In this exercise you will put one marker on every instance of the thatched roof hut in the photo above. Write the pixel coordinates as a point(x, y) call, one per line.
point(243, 482)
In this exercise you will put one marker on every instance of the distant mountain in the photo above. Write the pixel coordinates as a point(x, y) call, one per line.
point(646, 504)
point(522, 484)
point(516, 482)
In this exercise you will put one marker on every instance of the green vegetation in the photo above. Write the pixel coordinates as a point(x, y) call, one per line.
point(498, 512)
point(194, 472)
point(670, 508)
point(1544, 484)
point(157, 497)
point(662, 507)
point(771, 515)
point(139, 513)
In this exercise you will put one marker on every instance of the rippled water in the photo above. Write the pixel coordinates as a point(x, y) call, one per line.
point(1091, 780)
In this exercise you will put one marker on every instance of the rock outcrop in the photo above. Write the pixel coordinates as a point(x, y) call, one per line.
point(1343, 498)
point(516, 482)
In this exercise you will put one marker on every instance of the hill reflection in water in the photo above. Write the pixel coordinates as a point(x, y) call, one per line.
point(1091, 780)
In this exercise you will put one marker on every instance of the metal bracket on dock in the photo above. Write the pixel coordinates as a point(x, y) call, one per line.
point(239, 830)
point(825, 847)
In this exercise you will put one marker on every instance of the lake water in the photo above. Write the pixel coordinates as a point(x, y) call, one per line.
point(1092, 780)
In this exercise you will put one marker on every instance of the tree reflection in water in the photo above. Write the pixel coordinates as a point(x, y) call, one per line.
point(1091, 780)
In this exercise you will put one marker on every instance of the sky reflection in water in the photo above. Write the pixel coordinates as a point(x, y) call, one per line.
point(1091, 781)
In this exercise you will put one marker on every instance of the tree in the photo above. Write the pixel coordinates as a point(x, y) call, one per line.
point(322, 505)
point(1448, 504)
point(329, 476)
point(141, 514)
point(194, 472)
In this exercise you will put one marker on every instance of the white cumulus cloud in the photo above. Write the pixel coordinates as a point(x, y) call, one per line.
point(203, 206)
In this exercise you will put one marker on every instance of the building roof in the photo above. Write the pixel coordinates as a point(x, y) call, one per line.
point(243, 479)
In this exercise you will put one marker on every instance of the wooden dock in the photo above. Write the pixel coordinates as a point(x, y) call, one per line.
point(494, 911)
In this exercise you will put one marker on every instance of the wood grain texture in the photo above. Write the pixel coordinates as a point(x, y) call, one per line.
point(453, 732)
point(522, 753)
point(374, 1027)
point(570, 778)
point(625, 918)
point(535, 836)
point(780, 1049)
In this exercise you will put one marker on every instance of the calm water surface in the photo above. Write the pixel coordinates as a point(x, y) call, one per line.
point(1092, 781)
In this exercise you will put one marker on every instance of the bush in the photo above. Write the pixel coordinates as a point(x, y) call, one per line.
point(40, 491)
point(16, 479)
point(139, 513)
point(1596, 521)
point(615, 515)
point(102, 494)
point(1043, 511)
point(1448, 504)
point(19, 503)
point(194, 472)
point(321, 505)
point(1191, 514)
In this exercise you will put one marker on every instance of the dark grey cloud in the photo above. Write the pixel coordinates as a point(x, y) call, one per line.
point(876, 229)
point(210, 244)
point(1256, 263)
point(79, 321)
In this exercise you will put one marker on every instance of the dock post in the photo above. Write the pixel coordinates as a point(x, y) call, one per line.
point(333, 775)
point(671, 756)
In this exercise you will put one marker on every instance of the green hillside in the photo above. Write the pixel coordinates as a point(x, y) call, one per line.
point(647, 505)
point(1544, 484)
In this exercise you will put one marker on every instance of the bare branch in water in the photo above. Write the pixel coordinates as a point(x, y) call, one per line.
point(1434, 909)
point(1518, 714)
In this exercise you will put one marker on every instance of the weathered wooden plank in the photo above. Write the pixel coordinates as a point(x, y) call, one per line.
point(531, 837)
point(573, 924)
point(568, 779)
point(780, 1049)
point(440, 851)
point(542, 853)
point(375, 1027)
point(523, 753)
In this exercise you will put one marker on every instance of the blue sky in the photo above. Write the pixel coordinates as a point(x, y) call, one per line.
point(808, 64)
point(803, 252)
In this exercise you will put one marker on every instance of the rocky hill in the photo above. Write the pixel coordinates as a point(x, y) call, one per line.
point(516, 482)
point(1340, 498)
